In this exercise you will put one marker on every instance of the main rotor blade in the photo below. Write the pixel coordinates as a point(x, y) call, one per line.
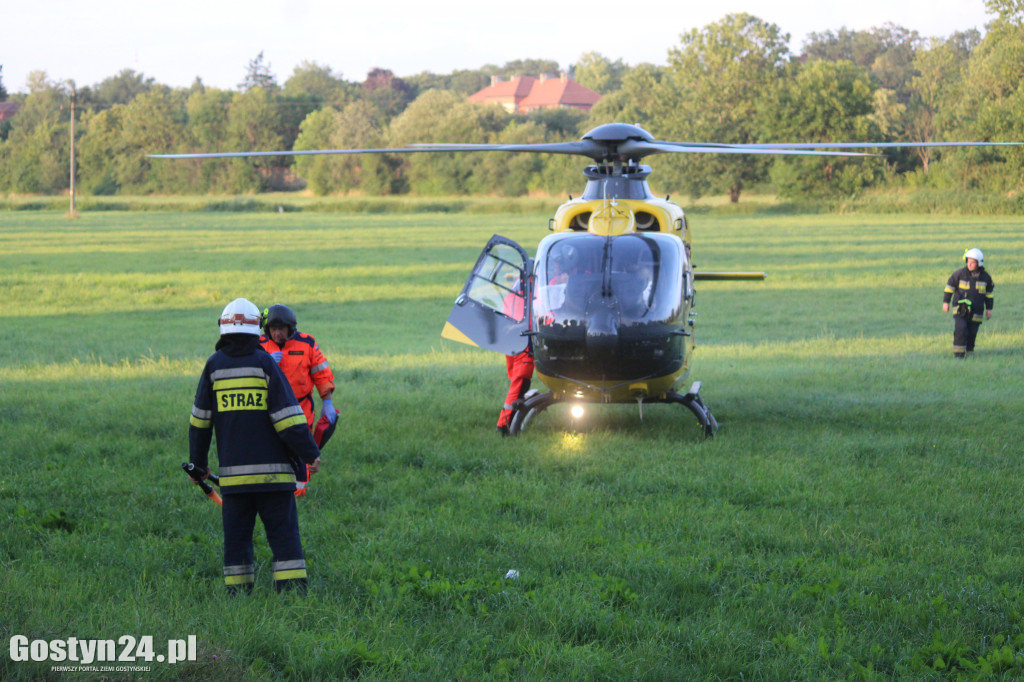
point(627, 149)
point(607, 150)
point(631, 149)
point(841, 145)
point(589, 148)
point(294, 152)
point(635, 149)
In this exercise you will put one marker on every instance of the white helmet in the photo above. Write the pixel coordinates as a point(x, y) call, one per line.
point(976, 254)
point(241, 316)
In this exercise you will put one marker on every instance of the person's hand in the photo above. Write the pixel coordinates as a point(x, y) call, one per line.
point(945, 307)
point(988, 314)
point(327, 410)
point(314, 467)
point(277, 356)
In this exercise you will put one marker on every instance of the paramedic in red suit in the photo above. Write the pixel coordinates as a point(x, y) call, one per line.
point(299, 357)
point(519, 366)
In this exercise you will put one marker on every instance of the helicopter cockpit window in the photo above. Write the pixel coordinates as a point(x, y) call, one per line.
point(645, 272)
point(497, 282)
point(638, 278)
point(633, 275)
point(568, 266)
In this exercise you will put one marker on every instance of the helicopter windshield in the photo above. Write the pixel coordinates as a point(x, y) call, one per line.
point(637, 276)
point(609, 308)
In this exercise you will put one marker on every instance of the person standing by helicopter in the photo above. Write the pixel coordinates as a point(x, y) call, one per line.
point(519, 367)
point(304, 365)
point(969, 289)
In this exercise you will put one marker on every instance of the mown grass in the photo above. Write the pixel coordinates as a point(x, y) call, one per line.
point(857, 517)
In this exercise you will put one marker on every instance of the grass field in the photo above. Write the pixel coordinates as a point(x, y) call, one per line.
point(858, 516)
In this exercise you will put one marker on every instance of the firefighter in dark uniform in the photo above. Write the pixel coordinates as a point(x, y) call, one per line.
point(969, 291)
point(262, 438)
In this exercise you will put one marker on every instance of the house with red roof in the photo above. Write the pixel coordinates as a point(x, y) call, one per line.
point(528, 93)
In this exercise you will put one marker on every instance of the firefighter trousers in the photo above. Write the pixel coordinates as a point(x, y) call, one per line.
point(278, 512)
point(965, 332)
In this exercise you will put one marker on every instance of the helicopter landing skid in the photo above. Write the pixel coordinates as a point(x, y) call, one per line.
point(530, 408)
point(536, 404)
point(692, 400)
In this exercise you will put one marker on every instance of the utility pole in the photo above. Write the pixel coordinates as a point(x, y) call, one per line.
point(72, 213)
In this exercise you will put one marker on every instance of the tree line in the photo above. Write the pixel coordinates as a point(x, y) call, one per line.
point(733, 81)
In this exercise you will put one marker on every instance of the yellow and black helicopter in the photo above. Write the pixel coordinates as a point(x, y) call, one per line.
point(607, 303)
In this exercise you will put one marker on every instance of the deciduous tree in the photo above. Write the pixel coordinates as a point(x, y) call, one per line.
point(254, 122)
point(939, 66)
point(358, 126)
point(989, 105)
point(207, 130)
point(36, 154)
point(599, 73)
point(318, 84)
point(710, 93)
point(825, 101)
point(119, 89)
point(437, 116)
point(113, 153)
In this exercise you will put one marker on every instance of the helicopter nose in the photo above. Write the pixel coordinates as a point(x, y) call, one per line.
point(602, 330)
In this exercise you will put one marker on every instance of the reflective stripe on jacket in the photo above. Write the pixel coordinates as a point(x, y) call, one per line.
point(305, 367)
point(245, 402)
point(976, 286)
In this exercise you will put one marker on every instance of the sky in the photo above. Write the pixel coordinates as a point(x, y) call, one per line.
point(174, 42)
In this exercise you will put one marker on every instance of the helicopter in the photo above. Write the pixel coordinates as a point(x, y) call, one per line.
point(608, 301)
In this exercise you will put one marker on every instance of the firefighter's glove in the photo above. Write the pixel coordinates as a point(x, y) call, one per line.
point(277, 356)
point(327, 410)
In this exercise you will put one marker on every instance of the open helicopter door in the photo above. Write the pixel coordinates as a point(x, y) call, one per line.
point(491, 311)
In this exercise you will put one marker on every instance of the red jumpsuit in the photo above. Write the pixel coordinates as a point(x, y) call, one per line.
point(519, 367)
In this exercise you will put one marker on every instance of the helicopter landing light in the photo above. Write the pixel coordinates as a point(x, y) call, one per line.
point(576, 411)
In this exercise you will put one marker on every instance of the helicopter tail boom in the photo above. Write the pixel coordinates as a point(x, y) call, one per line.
point(719, 276)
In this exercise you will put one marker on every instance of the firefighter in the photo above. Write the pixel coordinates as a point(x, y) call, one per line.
point(969, 289)
point(262, 438)
point(299, 357)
